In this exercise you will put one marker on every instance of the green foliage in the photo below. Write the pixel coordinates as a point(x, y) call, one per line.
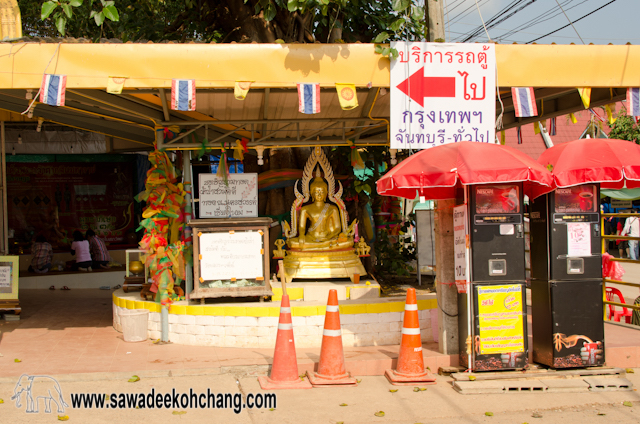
point(226, 20)
point(394, 257)
point(61, 12)
point(625, 128)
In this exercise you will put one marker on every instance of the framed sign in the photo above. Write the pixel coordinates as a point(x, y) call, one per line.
point(231, 257)
point(238, 199)
point(9, 272)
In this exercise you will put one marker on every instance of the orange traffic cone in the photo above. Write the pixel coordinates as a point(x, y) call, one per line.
point(410, 369)
point(284, 371)
point(331, 369)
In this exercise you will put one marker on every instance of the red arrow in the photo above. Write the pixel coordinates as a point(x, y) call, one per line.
point(417, 86)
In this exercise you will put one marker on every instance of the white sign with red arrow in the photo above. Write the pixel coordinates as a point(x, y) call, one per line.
point(442, 93)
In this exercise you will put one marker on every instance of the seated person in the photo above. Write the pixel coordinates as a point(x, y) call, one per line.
point(325, 231)
point(80, 248)
point(99, 253)
point(42, 255)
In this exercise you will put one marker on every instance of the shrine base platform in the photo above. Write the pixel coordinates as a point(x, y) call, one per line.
point(365, 321)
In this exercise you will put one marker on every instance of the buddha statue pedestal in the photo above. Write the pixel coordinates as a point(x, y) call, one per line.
point(343, 263)
point(319, 241)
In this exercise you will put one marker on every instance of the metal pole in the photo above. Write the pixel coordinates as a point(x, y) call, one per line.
point(164, 324)
point(5, 211)
point(188, 186)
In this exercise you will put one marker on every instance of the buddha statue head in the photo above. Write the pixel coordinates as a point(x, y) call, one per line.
point(318, 188)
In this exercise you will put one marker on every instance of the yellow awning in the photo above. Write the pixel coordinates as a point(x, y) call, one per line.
point(89, 65)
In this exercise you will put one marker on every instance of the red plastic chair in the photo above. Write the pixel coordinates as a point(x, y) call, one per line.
point(626, 313)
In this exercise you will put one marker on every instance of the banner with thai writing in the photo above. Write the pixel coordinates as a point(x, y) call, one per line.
point(461, 247)
point(442, 93)
point(500, 319)
point(237, 198)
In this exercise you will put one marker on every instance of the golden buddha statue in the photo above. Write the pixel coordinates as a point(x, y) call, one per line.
point(320, 243)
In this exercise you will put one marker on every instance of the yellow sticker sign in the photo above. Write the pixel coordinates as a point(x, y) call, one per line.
point(500, 319)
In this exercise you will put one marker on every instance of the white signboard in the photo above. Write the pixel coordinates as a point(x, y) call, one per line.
point(442, 93)
point(460, 247)
point(5, 277)
point(238, 199)
point(231, 255)
point(578, 239)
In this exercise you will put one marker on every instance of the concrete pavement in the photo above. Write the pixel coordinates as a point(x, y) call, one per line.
point(438, 404)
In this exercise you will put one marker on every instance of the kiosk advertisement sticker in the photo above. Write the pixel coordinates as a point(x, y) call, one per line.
point(237, 199)
point(500, 319)
point(578, 199)
point(578, 239)
point(497, 199)
point(461, 247)
point(9, 270)
point(442, 93)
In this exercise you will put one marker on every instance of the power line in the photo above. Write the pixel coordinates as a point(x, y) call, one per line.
point(571, 23)
point(499, 20)
point(504, 10)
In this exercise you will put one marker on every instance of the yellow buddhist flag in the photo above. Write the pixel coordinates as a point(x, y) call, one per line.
point(573, 118)
point(115, 85)
point(585, 95)
point(347, 96)
point(536, 127)
point(502, 138)
point(241, 89)
point(609, 109)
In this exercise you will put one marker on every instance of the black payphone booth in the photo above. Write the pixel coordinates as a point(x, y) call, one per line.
point(496, 300)
point(566, 284)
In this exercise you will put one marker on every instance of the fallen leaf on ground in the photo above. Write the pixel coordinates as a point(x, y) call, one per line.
point(536, 415)
point(379, 414)
point(343, 404)
point(339, 422)
point(393, 390)
point(63, 418)
point(17, 360)
point(134, 378)
point(489, 414)
point(472, 378)
point(627, 403)
point(629, 371)
point(601, 413)
point(358, 381)
point(1, 401)
point(156, 342)
point(272, 409)
point(179, 412)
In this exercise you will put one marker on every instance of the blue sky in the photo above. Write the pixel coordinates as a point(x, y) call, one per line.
point(616, 23)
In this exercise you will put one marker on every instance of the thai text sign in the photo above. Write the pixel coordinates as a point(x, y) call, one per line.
point(228, 255)
point(442, 93)
point(460, 247)
point(500, 319)
point(237, 199)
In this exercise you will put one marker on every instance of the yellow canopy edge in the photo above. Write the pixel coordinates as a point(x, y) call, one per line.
point(283, 65)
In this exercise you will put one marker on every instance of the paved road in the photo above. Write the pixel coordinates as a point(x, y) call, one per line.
point(438, 404)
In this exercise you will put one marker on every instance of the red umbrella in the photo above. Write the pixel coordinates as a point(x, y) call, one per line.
point(436, 172)
point(611, 162)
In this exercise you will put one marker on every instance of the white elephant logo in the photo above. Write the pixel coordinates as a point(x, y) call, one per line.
point(36, 387)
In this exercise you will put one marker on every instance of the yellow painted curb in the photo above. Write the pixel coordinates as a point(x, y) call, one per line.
point(235, 311)
point(353, 309)
point(195, 310)
point(303, 311)
point(396, 307)
point(214, 311)
point(178, 309)
point(378, 308)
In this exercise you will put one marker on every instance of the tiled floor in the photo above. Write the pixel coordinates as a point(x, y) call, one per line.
point(64, 332)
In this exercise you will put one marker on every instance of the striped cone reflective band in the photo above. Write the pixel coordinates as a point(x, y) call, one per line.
point(410, 368)
point(284, 371)
point(331, 368)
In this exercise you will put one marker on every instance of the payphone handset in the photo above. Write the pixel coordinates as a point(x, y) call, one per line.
point(497, 236)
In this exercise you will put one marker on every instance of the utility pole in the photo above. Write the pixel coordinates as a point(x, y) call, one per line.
point(446, 292)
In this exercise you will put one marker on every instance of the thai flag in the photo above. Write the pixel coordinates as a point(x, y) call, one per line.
point(594, 113)
point(524, 102)
point(53, 89)
point(552, 127)
point(309, 98)
point(633, 101)
point(183, 94)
